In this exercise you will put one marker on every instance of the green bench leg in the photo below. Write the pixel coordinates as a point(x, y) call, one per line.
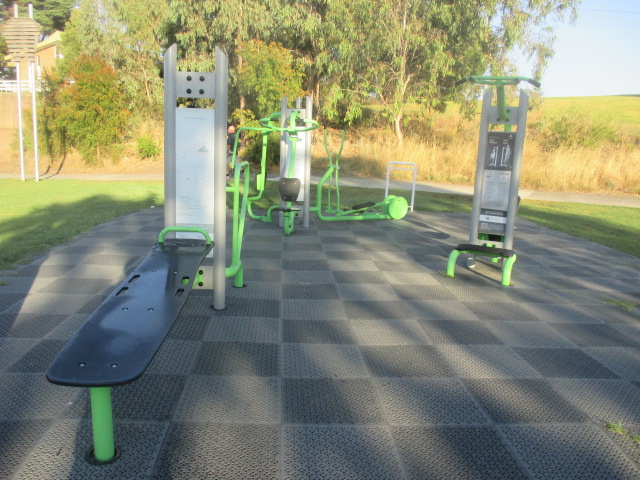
point(451, 264)
point(506, 270)
point(102, 419)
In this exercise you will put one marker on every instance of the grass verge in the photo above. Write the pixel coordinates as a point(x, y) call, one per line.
point(35, 217)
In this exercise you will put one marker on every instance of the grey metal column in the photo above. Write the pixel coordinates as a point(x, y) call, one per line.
point(170, 64)
point(220, 180)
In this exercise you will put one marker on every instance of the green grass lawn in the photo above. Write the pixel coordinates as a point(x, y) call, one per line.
point(35, 217)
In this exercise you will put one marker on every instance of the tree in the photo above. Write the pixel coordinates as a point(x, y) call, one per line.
point(413, 51)
point(267, 75)
point(128, 36)
point(51, 14)
point(92, 109)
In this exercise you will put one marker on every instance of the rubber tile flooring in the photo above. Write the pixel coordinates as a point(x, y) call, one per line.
point(347, 355)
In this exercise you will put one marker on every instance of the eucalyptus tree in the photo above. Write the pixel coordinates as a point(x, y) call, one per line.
point(412, 51)
point(130, 37)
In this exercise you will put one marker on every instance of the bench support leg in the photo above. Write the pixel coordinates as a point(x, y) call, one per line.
point(506, 270)
point(102, 419)
point(451, 264)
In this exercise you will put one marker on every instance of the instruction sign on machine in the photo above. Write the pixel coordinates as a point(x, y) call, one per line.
point(498, 166)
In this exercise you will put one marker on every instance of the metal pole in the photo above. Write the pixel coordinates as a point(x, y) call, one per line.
point(20, 130)
point(170, 60)
point(220, 180)
point(102, 422)
point(32, 78)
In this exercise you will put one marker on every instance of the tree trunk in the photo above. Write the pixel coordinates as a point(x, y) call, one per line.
point(397, 125)
point(242, 101)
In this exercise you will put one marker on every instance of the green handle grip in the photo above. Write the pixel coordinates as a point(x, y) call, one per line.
point(201, 231)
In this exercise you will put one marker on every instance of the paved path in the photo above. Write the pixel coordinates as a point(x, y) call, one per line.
point(589, 198)
point(347, 355)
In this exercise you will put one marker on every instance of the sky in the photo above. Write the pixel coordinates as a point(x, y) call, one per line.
point(599, 54)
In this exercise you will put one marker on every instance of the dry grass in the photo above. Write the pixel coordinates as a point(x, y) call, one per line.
point(612, 168)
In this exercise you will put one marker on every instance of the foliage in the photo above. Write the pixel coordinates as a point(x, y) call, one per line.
point(91, 110)
point(52, 127)
point(267, 75)
point(35, 217)
point(3, 51)
point(575, 129)
point(147, 148)
point(130, 37)
point(252, 150)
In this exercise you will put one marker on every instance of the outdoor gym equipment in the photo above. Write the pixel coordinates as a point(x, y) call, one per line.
point(390, 208)
point(289, 186)
point(495, 198)
point(119, 340)
point(195, 167)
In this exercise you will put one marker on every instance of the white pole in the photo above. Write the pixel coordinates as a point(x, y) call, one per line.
point(32, 79)
point(20, 132)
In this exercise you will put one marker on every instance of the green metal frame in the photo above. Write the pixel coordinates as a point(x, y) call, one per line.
point(499, 83)
point(507, 264)
point(104, 449)
point(390, 208)
point(268, 125)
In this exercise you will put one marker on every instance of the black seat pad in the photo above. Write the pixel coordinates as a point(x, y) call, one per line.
point(119, 340)
point(469, 247)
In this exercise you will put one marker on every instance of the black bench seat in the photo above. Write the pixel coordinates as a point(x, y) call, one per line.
point(119, 340)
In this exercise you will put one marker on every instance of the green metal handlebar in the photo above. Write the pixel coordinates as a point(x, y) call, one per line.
point(497, 81)
point(201, 231)
point(293, 126)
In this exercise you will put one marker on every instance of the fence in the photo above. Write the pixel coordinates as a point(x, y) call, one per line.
point(12, 86)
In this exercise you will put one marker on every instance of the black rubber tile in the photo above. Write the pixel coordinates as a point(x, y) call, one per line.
point(230, 399)
point(330, 401)
point(369, 309)
point(614, 313)
point(17, 438)
point(305, 264)
point(522, 401)
point(423, 401)
point(309, 360)
point(359, 277)
point(364, 452)
point(310, 292)
point(501, 311)
point(448, 452)
point(625, 361)
point(316, 331)
point(423, 292)
point(236, 307)
point(151, 397)
point(466, 332)
point(43, 271)
point(561, 313)
point(60, 454)
point(564, 362)
point(581, 452)
point(603, 400)
point(262, 275)
point(77, 285)
point(238, 358)
point(293, 309)
point(595, 335)
point(9, 299)
point(39, 357)
point(31, 396)
point(189, 327)
point(243, 329)
point(405, 361)
point(28, 325)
